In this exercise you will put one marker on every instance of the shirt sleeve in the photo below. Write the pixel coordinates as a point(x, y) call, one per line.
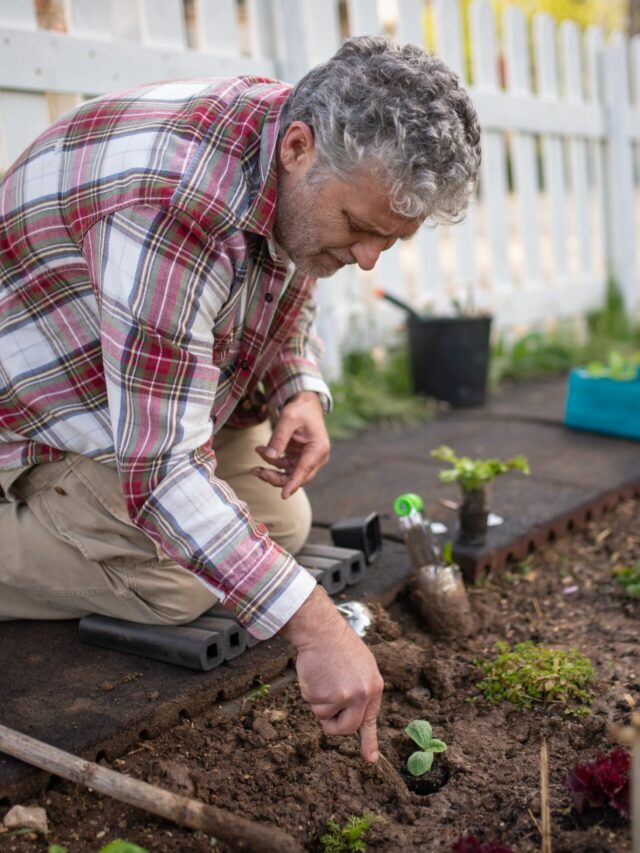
point(160, 284)
point(295, 368)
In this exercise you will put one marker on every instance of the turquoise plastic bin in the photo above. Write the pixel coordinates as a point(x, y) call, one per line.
point(600, 404)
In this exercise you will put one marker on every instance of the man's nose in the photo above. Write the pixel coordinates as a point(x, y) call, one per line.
point(367, 252)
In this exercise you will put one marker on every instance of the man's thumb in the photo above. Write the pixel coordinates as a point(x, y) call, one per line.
point(279, 440)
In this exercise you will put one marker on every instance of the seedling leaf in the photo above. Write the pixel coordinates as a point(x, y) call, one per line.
point(119, 846)
point(420, 732)
point(437, 745)
point(420, 763)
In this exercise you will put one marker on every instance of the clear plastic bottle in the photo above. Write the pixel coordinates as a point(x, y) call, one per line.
point(438, 589)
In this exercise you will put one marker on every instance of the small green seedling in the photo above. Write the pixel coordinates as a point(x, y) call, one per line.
point(260, 691)
point(119, 846)
point(420, 761)
point(447, 554)
point(618, 366)
point(342, 839)
point(629, 578)
point(528, 674)
point(472, 474)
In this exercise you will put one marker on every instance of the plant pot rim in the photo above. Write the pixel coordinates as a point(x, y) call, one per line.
point(437, 318)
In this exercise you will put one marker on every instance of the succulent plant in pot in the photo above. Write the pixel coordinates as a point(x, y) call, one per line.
point(473, 476)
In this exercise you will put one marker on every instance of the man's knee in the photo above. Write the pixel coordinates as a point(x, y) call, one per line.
point(290, 527)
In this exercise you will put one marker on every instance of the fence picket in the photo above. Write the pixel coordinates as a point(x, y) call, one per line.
point(448, 28)
point(573, 77)
point(23, 115)
point(524, 149)
point(620, 171)
point(88, 18)
point(363, 18)
point(216, 26)
point(594, 90)
point(162, 23)
point(493, 168)
point(552, 154)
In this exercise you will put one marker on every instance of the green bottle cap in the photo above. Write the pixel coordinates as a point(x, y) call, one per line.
point(403, 504)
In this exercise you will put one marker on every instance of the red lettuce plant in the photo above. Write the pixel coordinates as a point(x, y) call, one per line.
point(470, 844)
point(605, 781)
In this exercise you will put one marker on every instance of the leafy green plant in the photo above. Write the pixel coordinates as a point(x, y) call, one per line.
point(342, 839)
point(375, 390)
point(472, 474)
point(56, 848)
point(421, 733)
point(545, 353)
point(119, 846)
point(529, 673)
point(618, 366)
point(629, 578)
point(447, 553)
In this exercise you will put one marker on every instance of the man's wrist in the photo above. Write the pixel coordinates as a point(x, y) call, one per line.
point(316, 615)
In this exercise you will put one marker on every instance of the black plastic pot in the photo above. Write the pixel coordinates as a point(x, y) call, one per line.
point(449, 358)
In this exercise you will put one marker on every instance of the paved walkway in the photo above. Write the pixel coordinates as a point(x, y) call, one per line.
point(89, 700)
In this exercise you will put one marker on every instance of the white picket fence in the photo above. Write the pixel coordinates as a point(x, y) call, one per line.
point(565, 119)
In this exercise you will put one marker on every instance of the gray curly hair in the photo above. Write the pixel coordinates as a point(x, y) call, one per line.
point(399, 113)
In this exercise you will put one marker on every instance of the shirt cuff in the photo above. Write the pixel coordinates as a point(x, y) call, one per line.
point(298, 589)
point(297, 384)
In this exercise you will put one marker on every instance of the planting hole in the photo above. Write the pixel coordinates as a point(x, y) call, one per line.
point(336, 576)
point(432, 781)
point(234, 640)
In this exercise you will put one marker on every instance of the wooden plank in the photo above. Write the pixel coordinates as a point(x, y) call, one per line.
point(493, 168)
point(162, 23)
point(523, 148)
point(217, 26)
point(32, 62)
point(573, 76)
point(503, 111)
point(552, 146)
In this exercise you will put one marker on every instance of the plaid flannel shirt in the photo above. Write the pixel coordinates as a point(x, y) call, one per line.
point(141, 307)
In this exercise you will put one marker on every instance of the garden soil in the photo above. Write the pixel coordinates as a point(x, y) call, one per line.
point(268, 760)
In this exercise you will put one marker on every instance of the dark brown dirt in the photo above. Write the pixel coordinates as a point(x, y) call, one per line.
point(272, 763)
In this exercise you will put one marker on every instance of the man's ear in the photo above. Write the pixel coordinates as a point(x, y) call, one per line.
point(297, 148)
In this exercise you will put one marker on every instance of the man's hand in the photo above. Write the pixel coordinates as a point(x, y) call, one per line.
point(338, 675)
point(299, 446)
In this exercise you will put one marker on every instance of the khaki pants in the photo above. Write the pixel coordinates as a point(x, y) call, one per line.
point(67, 546)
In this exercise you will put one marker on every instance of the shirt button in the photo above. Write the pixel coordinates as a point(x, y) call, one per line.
point(59, 490)
point(244, 364)
point(268, 297)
